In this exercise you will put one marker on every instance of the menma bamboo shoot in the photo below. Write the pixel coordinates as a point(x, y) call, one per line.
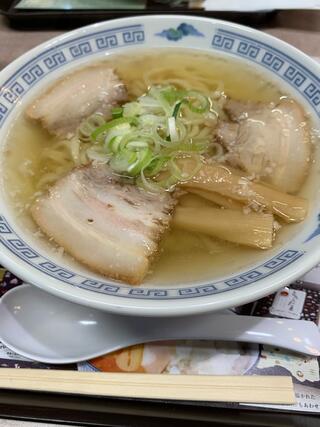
point(190, 200)
point(219, 179)
point(218, 199)
point(252, 229)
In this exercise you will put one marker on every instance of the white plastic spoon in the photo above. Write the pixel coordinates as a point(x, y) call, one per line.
point(48, 329)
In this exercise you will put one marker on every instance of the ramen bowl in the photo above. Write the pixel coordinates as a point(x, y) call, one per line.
point(293, 71)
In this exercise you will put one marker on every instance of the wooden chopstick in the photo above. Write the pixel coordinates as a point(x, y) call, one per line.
point(246, 389)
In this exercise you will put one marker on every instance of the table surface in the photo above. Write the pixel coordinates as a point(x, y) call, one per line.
point(299, 28)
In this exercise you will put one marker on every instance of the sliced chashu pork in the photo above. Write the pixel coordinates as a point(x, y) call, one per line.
point(110, 226)
point(94, 89)
point(269, 141)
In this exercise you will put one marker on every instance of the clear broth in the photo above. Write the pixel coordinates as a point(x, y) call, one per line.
point(184, 257)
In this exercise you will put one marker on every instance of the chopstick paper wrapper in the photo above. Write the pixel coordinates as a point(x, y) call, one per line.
point(245, 389)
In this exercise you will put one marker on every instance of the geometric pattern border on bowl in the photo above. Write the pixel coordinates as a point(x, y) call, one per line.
point(62, 53)
point(10, 240)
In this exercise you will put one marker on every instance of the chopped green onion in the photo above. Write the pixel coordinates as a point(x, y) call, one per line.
point(89, 125)
point(120, 162)
point(172, 95)
point(143, 158)
point(133, 109)
point(159, 134)
point(179, 174)
point(158, 94)
point(137, 144)
point(114, 144)
point(117, 131)
point(197, 102)
point(146, 101)
point(156, 165)
point(117, 112)
point(148, 184)
point(176, 109)
point(147, 136)
point(111, 124)
point(174, 137)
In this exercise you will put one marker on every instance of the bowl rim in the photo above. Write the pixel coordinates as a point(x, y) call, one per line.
point(172, 307)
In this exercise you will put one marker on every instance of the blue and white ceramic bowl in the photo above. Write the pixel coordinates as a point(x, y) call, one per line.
point(280, 62)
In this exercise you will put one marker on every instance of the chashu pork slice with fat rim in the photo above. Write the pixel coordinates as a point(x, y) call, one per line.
point(109, 225)
point(94, 89)
point(269, 141)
